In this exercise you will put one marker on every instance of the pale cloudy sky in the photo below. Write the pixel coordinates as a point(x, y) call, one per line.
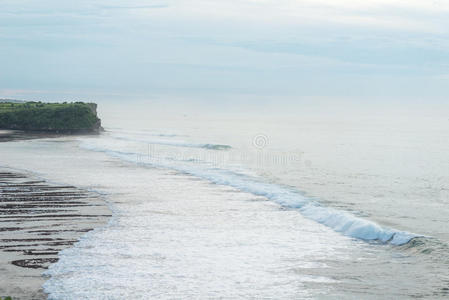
point(361, 50)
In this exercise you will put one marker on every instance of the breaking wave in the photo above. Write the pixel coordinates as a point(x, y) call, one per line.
point(172, 143)
point(338, 220)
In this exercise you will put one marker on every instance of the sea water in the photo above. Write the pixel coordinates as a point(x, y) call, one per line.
point(230, 206)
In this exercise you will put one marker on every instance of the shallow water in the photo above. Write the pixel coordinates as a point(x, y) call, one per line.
point(277, 209)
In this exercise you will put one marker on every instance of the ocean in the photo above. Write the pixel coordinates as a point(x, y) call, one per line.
point(210, 205)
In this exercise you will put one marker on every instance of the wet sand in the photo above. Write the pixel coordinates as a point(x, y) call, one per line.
point(14, 135)
point(37, 220)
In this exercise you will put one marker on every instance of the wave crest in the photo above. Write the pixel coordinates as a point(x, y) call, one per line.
point(340, 221)
point(173, 143)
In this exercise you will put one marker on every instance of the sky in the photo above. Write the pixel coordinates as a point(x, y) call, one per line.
point(326, 50)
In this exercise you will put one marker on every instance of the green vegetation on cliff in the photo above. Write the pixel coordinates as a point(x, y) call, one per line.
point(55, 117)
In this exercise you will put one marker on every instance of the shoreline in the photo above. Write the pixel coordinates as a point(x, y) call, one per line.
point(8, 135)
point(39, 219)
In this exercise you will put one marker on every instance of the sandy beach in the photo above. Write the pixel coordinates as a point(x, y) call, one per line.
point(37, 220)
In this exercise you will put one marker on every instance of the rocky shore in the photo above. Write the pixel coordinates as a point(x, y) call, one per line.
point(14, 135)
point(37, 220)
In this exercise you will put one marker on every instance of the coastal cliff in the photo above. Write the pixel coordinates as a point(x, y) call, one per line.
point(77, 117)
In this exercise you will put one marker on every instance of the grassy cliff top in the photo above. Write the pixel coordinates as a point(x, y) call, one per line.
point(55, 117)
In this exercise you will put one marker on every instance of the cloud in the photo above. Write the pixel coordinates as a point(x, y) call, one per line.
point(133, 7)
point(349, 47)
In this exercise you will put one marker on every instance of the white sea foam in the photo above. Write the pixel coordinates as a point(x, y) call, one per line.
point(175, 143)
point(172, 237)
point(339, 221)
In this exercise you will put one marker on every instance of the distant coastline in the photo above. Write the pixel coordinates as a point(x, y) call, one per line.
point(11, 101)
point(59, 118)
